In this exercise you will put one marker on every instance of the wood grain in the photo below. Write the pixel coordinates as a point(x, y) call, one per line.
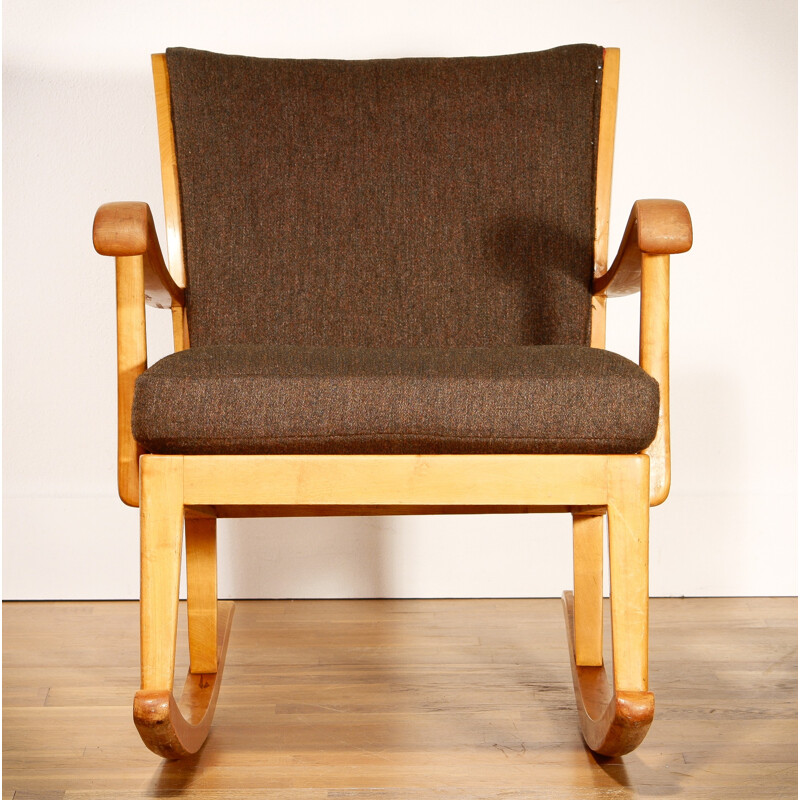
point(654, 360)
point(127, 229)
point(587, 570)
point(169, 168)
point(605, 168)
point(180, 328)
point(165, 728)
point(173, 729)
point(628, 548)
point(396, 480)
point(201, 592)
point(343, 510)
point(131, 363)
point(613, 722)
point(390, 699)
point(655, 227)
point(161, 515)
point(127, 232)
point(605, 156)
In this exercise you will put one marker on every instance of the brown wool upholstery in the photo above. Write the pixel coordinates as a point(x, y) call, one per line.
point(390, 257)
point(289, 399)
point(407, 202)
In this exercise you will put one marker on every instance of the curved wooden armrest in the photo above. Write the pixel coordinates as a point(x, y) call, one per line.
point(127, 229)
point(127, 232)
point(655, 227)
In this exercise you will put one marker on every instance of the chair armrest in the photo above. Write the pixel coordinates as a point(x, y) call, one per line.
point(127, 229)
point(655, 227)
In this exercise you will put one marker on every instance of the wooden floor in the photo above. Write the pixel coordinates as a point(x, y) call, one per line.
point(416, 699)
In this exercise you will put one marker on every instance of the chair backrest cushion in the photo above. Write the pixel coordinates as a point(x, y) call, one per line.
point(425, 201)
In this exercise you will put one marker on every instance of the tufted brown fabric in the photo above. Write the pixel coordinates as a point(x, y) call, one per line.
point(293, 399)
point(408, 202)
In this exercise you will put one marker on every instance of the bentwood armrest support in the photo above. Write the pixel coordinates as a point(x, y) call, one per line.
point(127, 229)
point(655, 227)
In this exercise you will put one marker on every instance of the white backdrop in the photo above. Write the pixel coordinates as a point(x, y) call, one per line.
point(707, 114)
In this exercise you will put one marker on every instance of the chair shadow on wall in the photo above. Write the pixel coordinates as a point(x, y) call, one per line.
point(510, 245)
point(305, 557)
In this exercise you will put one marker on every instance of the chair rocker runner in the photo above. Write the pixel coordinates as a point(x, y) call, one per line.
point(364, 257)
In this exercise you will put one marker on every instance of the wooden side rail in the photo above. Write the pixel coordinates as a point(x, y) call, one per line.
point(655, 230)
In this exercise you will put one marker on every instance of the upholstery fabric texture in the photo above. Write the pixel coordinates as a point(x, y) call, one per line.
point(390, 256)
point(251, 399)
point(390, 203)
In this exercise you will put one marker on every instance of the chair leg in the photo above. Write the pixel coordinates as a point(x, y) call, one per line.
point(615, 721)
point(201, 594)
point(161, 724)
point(587, 537)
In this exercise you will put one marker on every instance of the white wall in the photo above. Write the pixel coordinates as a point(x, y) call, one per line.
point(707, 114)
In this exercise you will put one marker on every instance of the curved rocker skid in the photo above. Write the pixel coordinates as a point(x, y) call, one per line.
point(159, 719)
point(612, 723)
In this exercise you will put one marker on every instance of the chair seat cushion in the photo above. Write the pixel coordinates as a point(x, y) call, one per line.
point(258, 399)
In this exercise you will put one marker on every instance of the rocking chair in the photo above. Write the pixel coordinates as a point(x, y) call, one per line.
point(393, 277)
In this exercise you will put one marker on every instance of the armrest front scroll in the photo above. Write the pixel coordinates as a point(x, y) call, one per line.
point(656, 229)
point(126, 231)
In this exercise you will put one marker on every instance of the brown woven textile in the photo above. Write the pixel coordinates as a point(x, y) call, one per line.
point(293, 399)
point(409, 202)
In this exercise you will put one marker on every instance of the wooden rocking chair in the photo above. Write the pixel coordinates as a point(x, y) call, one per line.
point(393, 276)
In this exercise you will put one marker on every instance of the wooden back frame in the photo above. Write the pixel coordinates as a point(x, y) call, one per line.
point(605, 165)
point(171, 190)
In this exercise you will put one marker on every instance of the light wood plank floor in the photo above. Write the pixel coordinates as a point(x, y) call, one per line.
point(417, 699)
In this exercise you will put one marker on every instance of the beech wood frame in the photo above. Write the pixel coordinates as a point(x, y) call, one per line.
point(182, 496)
